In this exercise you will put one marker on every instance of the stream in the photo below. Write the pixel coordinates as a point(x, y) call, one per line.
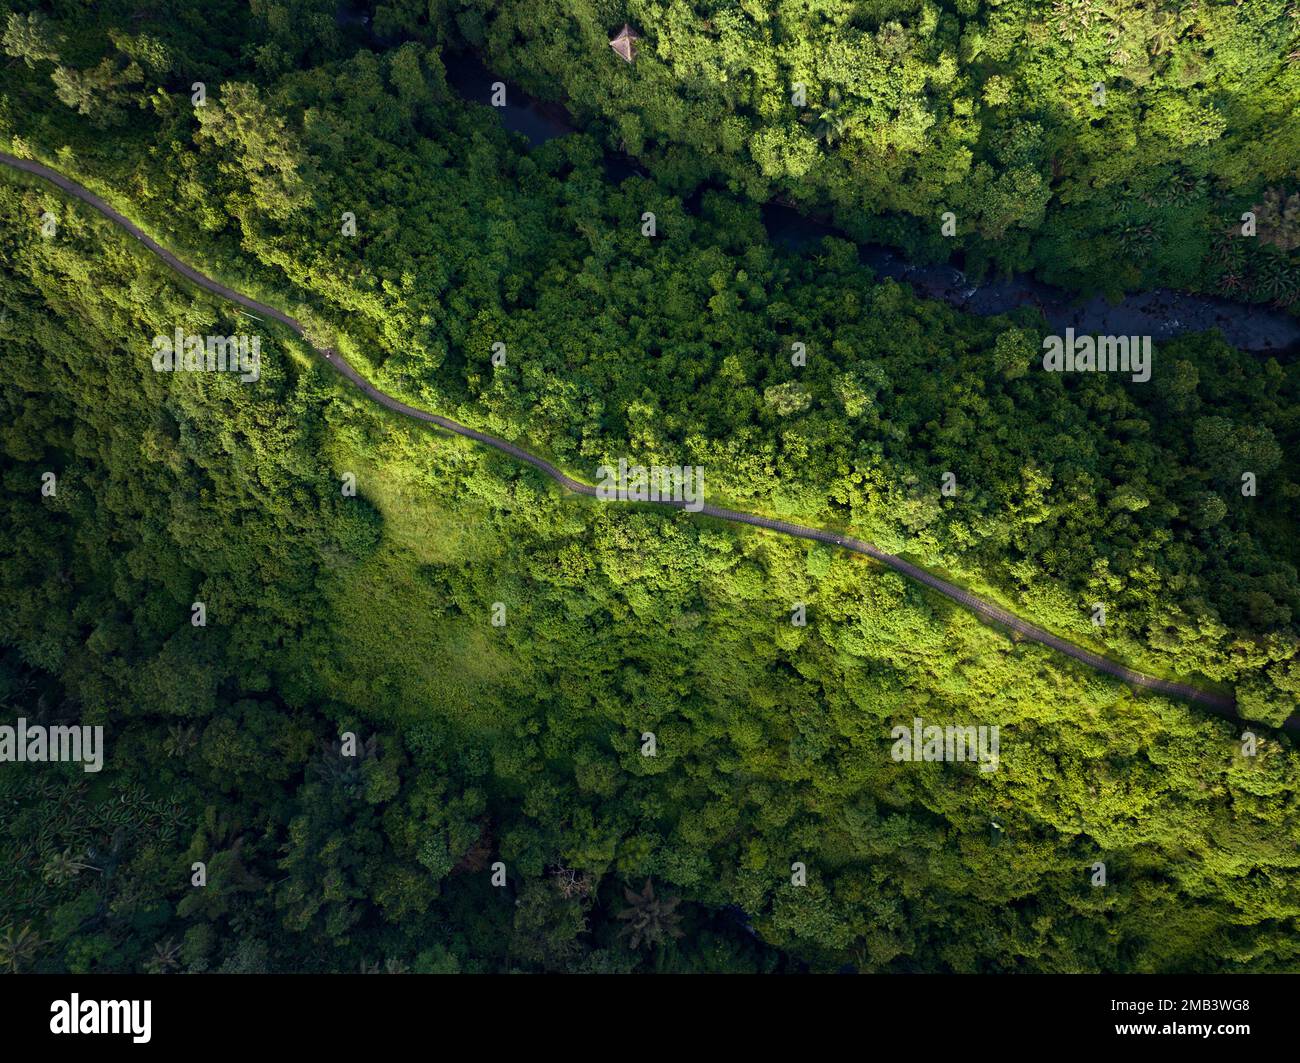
point(1160, 313)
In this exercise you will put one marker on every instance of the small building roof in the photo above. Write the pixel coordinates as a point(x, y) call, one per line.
point(623, 42)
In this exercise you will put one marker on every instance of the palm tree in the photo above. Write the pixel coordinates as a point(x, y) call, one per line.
point(17, 947)
point(1224, 247)
point(1278, 280)
point(831, 123)
point(165, 957)
point(1135, 237)
point(1117, 20)
point(649, 919)
point(1073, 17)
point(336, 770)
point(63, 867)
point(1164, 32)
point(1181, 189)
point(1230, 283)
point(181, 738)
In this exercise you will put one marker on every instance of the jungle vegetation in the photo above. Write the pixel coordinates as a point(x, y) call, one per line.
point(522, 744)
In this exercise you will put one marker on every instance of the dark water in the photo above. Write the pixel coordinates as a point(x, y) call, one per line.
point(537, 122)
point(1161, 313)
point(521, 114)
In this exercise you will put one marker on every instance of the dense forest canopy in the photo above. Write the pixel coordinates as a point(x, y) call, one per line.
point(1106, 144)
point(371, 613)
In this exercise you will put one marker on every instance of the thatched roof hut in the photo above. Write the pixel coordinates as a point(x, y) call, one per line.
point(624, 42)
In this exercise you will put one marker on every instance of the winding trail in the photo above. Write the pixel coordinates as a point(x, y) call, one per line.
point(1225, 706)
